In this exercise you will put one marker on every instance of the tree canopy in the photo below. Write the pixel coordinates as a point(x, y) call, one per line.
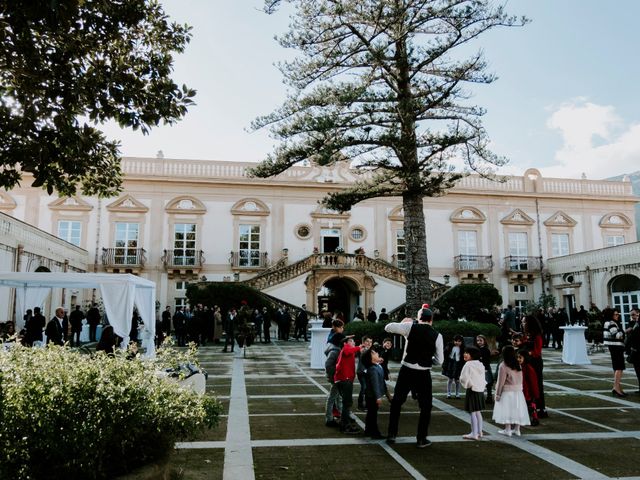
point(68, 65)
point(384, 84)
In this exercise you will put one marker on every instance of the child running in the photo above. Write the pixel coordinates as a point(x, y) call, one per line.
point(452, 365)
point(529, 385)
point(472, 378)
point(510, 407)
point(376, 389)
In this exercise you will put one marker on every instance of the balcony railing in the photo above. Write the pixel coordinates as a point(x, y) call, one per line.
point(124, 257)
point(249, 260)
point(517, 264)
point(473, 263)
point(183, 260)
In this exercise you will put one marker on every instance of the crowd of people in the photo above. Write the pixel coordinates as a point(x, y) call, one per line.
point(517, 380)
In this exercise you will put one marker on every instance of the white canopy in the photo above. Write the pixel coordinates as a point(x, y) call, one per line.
point(119, 294)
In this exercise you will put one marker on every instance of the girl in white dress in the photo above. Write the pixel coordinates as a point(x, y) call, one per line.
point(510, 408)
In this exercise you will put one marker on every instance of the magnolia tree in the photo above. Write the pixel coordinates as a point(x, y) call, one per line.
point(65, 67)
point(381, 83)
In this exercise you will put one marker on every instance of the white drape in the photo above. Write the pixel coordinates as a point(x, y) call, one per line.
point(145, 301)
point(28, 297)
point(118, 301)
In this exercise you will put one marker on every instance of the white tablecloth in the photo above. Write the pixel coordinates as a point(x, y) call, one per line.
point(84, 334)
point(318, 344)
point(574, 349)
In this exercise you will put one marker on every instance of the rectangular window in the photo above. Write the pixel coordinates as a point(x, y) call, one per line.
point(468, 247)
point(182, 285)
point(559, 244)
point(70, 231)
point(400, 249)
point(520, 289)
point(126, 237)
point(614, 240)
point(180, 302)
point(520, 305)
point(184, 244)
point(518, 251)
point(249, 246)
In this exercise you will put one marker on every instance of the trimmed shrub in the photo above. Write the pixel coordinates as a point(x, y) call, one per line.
point(360, 329)
point(449, 329)
point(472, 301)
point(68, 415)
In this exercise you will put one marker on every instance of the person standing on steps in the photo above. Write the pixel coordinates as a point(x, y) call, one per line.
point(423, 348)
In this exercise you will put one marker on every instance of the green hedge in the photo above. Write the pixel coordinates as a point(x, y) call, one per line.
point(449, 329)
point(68, 415)
point(446, 327)
point(471, 301)
point(360, 329)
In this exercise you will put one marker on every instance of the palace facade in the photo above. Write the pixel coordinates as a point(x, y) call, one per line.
point(181, 221)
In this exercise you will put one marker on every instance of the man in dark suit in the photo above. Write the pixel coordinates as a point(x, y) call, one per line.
point(93, 319)
point(229, 329)
point(56, 330)
point(75, 318)
point(35, 326)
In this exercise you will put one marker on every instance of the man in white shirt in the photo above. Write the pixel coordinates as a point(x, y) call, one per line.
point(423, 348)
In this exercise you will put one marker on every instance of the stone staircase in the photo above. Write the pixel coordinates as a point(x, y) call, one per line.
point(282, 272)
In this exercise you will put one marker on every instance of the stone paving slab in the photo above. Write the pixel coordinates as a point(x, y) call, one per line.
point(614, 458)
point(197, 464)
point(326, 463)
point(470, 460)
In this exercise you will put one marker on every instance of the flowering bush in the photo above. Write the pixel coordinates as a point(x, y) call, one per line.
point(67, 415)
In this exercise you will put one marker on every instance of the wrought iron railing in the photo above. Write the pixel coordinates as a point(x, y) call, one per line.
point(248, 259)
point(183, 258)
point(124, 257)
point(473, 263)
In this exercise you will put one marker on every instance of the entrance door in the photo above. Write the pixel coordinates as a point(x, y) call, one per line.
point(330, 239)
point(339, 295)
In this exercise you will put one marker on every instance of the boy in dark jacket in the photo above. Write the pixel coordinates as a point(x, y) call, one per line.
point(334, 400)
point(376, 389)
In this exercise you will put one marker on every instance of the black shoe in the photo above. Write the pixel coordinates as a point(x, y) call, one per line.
point(618, 394)
point(350, 430)
point(543, 414)
point(391, 439)
point(423, 443)
point(535, 422)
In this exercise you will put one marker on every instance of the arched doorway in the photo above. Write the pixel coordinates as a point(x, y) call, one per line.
point(625, 294)
point(339, 294)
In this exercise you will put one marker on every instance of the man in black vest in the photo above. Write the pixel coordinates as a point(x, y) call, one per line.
point(423, 347)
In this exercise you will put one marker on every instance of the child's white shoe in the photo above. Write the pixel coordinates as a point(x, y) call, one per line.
point(505, 432)
point(516, 433)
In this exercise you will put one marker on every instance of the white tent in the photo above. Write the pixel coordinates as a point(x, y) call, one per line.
point(120, 292)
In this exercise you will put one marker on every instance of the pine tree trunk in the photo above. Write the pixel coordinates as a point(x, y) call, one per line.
point(416, 264)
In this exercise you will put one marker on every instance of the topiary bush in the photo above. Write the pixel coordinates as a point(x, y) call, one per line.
point(450, 328)
point(471, 301)
point(374, 330)
point(66, 415)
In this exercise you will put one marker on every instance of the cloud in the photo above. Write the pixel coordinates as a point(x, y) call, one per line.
point(596, 141)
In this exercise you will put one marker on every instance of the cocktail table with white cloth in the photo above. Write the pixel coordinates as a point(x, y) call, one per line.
point(574, 349)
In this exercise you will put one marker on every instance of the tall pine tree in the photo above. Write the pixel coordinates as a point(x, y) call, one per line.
point(381, 83)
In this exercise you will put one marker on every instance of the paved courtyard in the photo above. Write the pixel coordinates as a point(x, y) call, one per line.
point(273, 427)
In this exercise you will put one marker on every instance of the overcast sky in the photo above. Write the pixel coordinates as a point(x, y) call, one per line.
point(566, 100)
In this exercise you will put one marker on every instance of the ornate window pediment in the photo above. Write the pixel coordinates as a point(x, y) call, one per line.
point(324, 212)
point(6, 201)
point(517, 217)
point(397, 214)
point(468, 215)
point(70, 203)
point(615, 220)
point(560, 219)
point(250, 207)
point(187, 205)
point(127, 203)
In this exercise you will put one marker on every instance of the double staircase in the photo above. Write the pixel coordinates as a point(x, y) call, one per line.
point(282, 272)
